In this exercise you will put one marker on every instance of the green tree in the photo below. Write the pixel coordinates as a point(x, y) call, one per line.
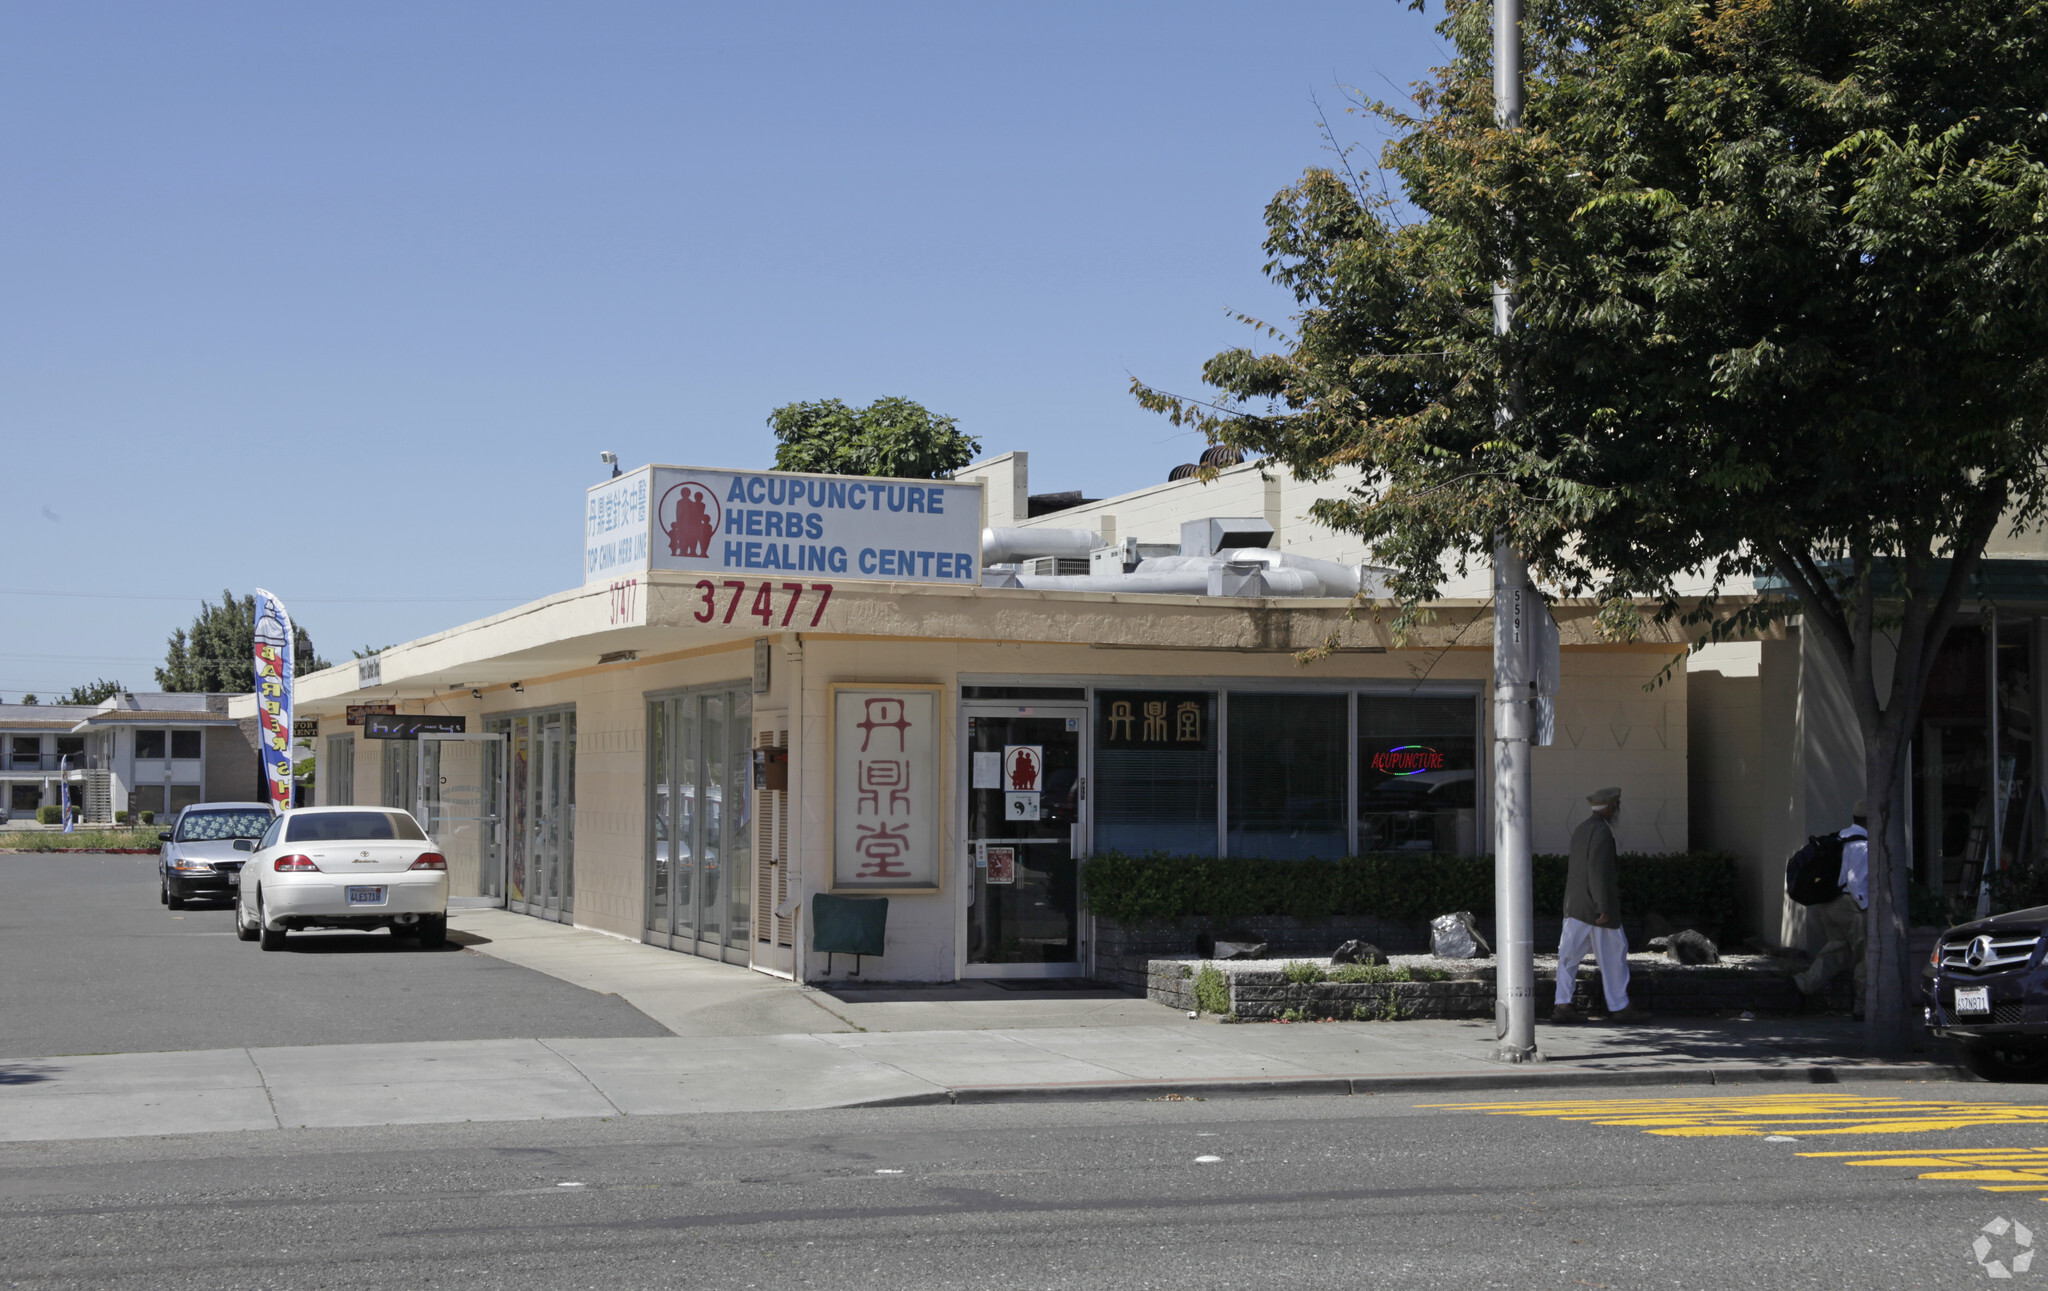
point(218, 652)
point(1783, 316)
point(30, 699)
point(895, 437)
point(93, 692)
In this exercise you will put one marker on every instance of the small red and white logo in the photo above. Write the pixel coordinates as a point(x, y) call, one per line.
point(1023, 768)
point(690, 515)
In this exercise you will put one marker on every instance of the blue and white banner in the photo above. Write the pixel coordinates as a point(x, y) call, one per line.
point(751, 522)
point(274, 696)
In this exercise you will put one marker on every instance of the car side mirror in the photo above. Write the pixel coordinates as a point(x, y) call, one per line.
point(164, 837)
point(241, 844)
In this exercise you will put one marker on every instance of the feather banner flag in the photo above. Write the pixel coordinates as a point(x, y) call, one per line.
point(274, 695)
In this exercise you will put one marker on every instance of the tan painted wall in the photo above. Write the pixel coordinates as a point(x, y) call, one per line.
point(1611, 731)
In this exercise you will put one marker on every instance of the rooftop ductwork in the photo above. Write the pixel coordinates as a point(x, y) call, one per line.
point(1010, 546)
point(1243, 572)
point(1221, 533)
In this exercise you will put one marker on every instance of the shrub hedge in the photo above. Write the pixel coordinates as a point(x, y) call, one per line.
point(1131, 889)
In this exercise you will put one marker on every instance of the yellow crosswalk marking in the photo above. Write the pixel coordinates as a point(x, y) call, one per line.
point(1813, 1114)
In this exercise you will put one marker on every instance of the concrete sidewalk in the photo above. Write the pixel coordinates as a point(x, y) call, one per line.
point(116, 1095)
point(701, 997)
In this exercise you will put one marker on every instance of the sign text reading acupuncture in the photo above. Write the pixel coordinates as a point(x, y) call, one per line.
point(686, 518)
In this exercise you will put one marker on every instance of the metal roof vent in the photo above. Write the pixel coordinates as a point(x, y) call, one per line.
point(1224, 533)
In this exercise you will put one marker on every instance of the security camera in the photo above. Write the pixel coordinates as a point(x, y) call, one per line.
point(610, 459)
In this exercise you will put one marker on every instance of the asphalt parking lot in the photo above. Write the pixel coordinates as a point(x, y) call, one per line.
point(92, 963)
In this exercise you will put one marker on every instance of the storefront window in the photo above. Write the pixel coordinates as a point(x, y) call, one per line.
point(1287, 769)
point(1418, 772)
point(1155, 771)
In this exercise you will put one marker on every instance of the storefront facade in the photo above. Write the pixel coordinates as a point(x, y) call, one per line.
point(699, 786)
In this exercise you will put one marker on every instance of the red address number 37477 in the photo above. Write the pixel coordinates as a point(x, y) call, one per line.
point(763, 605)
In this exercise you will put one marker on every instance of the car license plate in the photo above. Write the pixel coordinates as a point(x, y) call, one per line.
point(366, 896)
point(1973, 999)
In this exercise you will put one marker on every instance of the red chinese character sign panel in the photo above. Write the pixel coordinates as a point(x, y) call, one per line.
point(885, 789)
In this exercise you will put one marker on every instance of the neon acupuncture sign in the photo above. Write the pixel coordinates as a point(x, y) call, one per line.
point(1408, 759)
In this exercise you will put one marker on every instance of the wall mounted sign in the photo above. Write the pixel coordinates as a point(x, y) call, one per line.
point(715, 521)
point(408, 726)
point(305, 728)
point(357, 712)
point(1154, 720)
point(885, 788)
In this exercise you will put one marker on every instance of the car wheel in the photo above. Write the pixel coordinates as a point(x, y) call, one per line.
point(270, 938)
point(243, 931)
point(163, 891)
point(171, 897)
point(432, 930)
point(2006, 1060)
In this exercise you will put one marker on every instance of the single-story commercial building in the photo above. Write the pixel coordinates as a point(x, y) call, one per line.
point(774, 686)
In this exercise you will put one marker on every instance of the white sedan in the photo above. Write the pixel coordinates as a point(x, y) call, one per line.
point(342, 867)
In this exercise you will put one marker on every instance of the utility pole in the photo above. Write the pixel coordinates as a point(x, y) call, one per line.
point(1514, 692)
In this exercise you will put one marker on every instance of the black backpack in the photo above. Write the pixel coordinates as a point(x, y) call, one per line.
point(1814, 874)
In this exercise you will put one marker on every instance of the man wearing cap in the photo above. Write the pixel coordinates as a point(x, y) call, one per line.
point(1592, 915)
point(1842, 921)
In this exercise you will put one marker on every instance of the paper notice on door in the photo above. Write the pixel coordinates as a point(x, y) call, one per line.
point(1002, 865)
point(1020, 806)
point(988, 770)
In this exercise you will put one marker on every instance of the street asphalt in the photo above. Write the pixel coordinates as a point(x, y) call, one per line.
point(94, 964)
point(1242, 1195)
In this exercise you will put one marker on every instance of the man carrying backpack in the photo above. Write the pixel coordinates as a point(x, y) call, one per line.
point(1841, 920)
point(1592, 916)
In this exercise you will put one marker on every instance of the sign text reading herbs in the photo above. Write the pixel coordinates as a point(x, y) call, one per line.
point(706, 520)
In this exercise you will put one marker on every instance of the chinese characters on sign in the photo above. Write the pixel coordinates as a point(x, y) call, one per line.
point(885, 789)
point(1152, 719)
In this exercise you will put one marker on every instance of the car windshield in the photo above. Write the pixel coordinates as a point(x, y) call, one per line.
point(348, 826)
point(199, 826)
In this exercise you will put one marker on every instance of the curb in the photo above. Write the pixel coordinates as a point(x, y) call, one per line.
point(79, 851)
point(1447, 1082)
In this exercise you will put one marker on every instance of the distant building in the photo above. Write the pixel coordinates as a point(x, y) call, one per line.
point(144, 751)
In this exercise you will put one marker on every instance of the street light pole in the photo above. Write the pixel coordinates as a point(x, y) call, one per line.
point(1514, 710)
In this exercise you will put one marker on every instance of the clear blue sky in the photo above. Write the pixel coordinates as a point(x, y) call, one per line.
point(343, 300)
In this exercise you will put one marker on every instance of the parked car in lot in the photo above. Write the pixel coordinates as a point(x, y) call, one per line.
point(342, 867)
point(197, 860)
point(1986, 987)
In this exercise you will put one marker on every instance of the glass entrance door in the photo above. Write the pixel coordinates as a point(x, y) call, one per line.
point(457, 805)
point(700, 822)
point(1026, 830)
point(540, 813)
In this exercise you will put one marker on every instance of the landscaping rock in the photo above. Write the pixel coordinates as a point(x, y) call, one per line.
point(1358, 952)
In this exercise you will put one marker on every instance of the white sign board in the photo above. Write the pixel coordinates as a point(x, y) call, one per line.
point(751, 522)
point(885, 789)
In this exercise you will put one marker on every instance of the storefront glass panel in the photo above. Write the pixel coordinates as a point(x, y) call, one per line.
point(699, 825)
point(1418, 773)
point(539, 811)
point(1287, 774)
point(1155, 771)
point(1023, 814)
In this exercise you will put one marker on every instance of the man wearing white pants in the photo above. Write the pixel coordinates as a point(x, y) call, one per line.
point(1592, 915)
